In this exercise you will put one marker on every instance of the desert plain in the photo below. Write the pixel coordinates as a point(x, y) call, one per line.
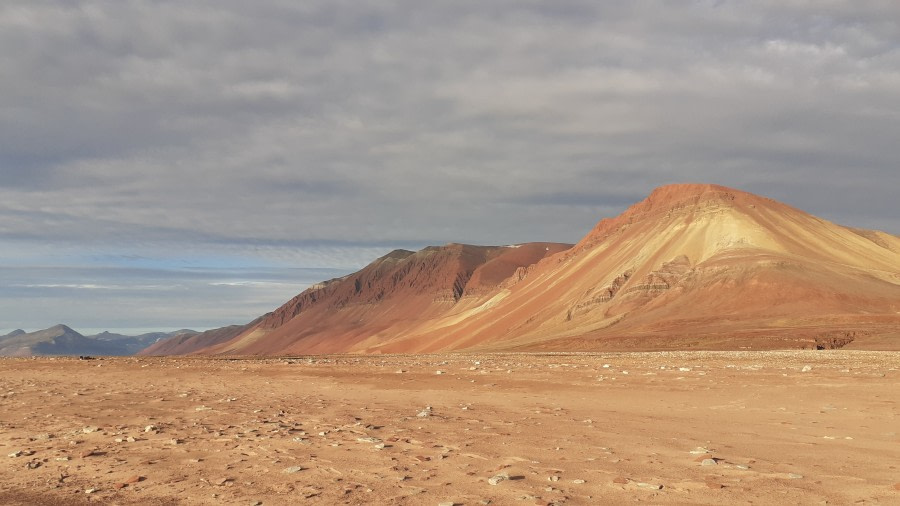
point(760, 427)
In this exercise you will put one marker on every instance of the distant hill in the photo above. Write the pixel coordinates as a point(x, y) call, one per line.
point(62, 340)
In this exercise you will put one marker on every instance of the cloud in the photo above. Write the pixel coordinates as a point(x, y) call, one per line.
point(143, 127)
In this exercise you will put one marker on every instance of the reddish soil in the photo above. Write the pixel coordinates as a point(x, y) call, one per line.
point(799, 427)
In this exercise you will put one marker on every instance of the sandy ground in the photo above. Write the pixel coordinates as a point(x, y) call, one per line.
point(659, 428)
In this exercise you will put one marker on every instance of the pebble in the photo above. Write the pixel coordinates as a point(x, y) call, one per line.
point(294, 469)
point(553, 478)
point(496, 479)
point(150, 428)
point(806, 368)
point(795, 476)
point(89, 429)
point(578, 482)
point(15, 454)
point(651, 486)
point(90, 490)
point(708, 462)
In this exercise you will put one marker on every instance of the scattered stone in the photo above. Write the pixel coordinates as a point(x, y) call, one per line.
point(34, 464)
point(578, 482)
point(368, 440)
point(650, 486)
point(806, 368)
point(15, 454)
point(88, 453)
point(294, 469)
point(119, 486)
point(150, 428)
point(202, 408)
point(553, 478)
point(795, 476)
point(447, 503)
point(439, 372)
point(223, 481)
point(496, 479)
point(90, 490)
point(620, 480)
point(699, 451)
point(379, 446)
point(708, 462)
point(130, 439)
point(89, 429)
point(741, 467)
point(134, 479)
point(425, 412)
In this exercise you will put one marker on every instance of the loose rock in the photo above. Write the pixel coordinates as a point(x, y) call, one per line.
point(496, 479)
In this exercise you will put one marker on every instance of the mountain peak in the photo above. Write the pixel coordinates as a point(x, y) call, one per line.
point(61, 328)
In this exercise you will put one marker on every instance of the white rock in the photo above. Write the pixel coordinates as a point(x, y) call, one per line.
point(496, 479)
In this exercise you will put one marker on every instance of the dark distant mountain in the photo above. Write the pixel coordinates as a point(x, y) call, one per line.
point(120, 344)
point(62, 340)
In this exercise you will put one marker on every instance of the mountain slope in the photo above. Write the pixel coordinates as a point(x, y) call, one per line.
point(696, 266)
point(382, 300)
point(690, 266)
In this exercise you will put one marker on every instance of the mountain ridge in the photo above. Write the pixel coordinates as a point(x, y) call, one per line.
point(690, 266)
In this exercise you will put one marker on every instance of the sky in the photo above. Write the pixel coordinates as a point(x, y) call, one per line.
point(172, 164)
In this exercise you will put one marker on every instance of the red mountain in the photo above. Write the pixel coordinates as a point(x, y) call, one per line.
point(691, 266)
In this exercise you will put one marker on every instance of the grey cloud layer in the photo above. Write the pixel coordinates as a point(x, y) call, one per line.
point(434, 121)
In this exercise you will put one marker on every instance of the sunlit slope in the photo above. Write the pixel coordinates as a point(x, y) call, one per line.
point(692, 266)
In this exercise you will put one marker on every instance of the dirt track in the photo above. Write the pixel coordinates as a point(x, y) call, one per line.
point(574, 429)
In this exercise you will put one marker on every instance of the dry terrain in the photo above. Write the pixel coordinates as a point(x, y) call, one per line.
point(798, 427)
